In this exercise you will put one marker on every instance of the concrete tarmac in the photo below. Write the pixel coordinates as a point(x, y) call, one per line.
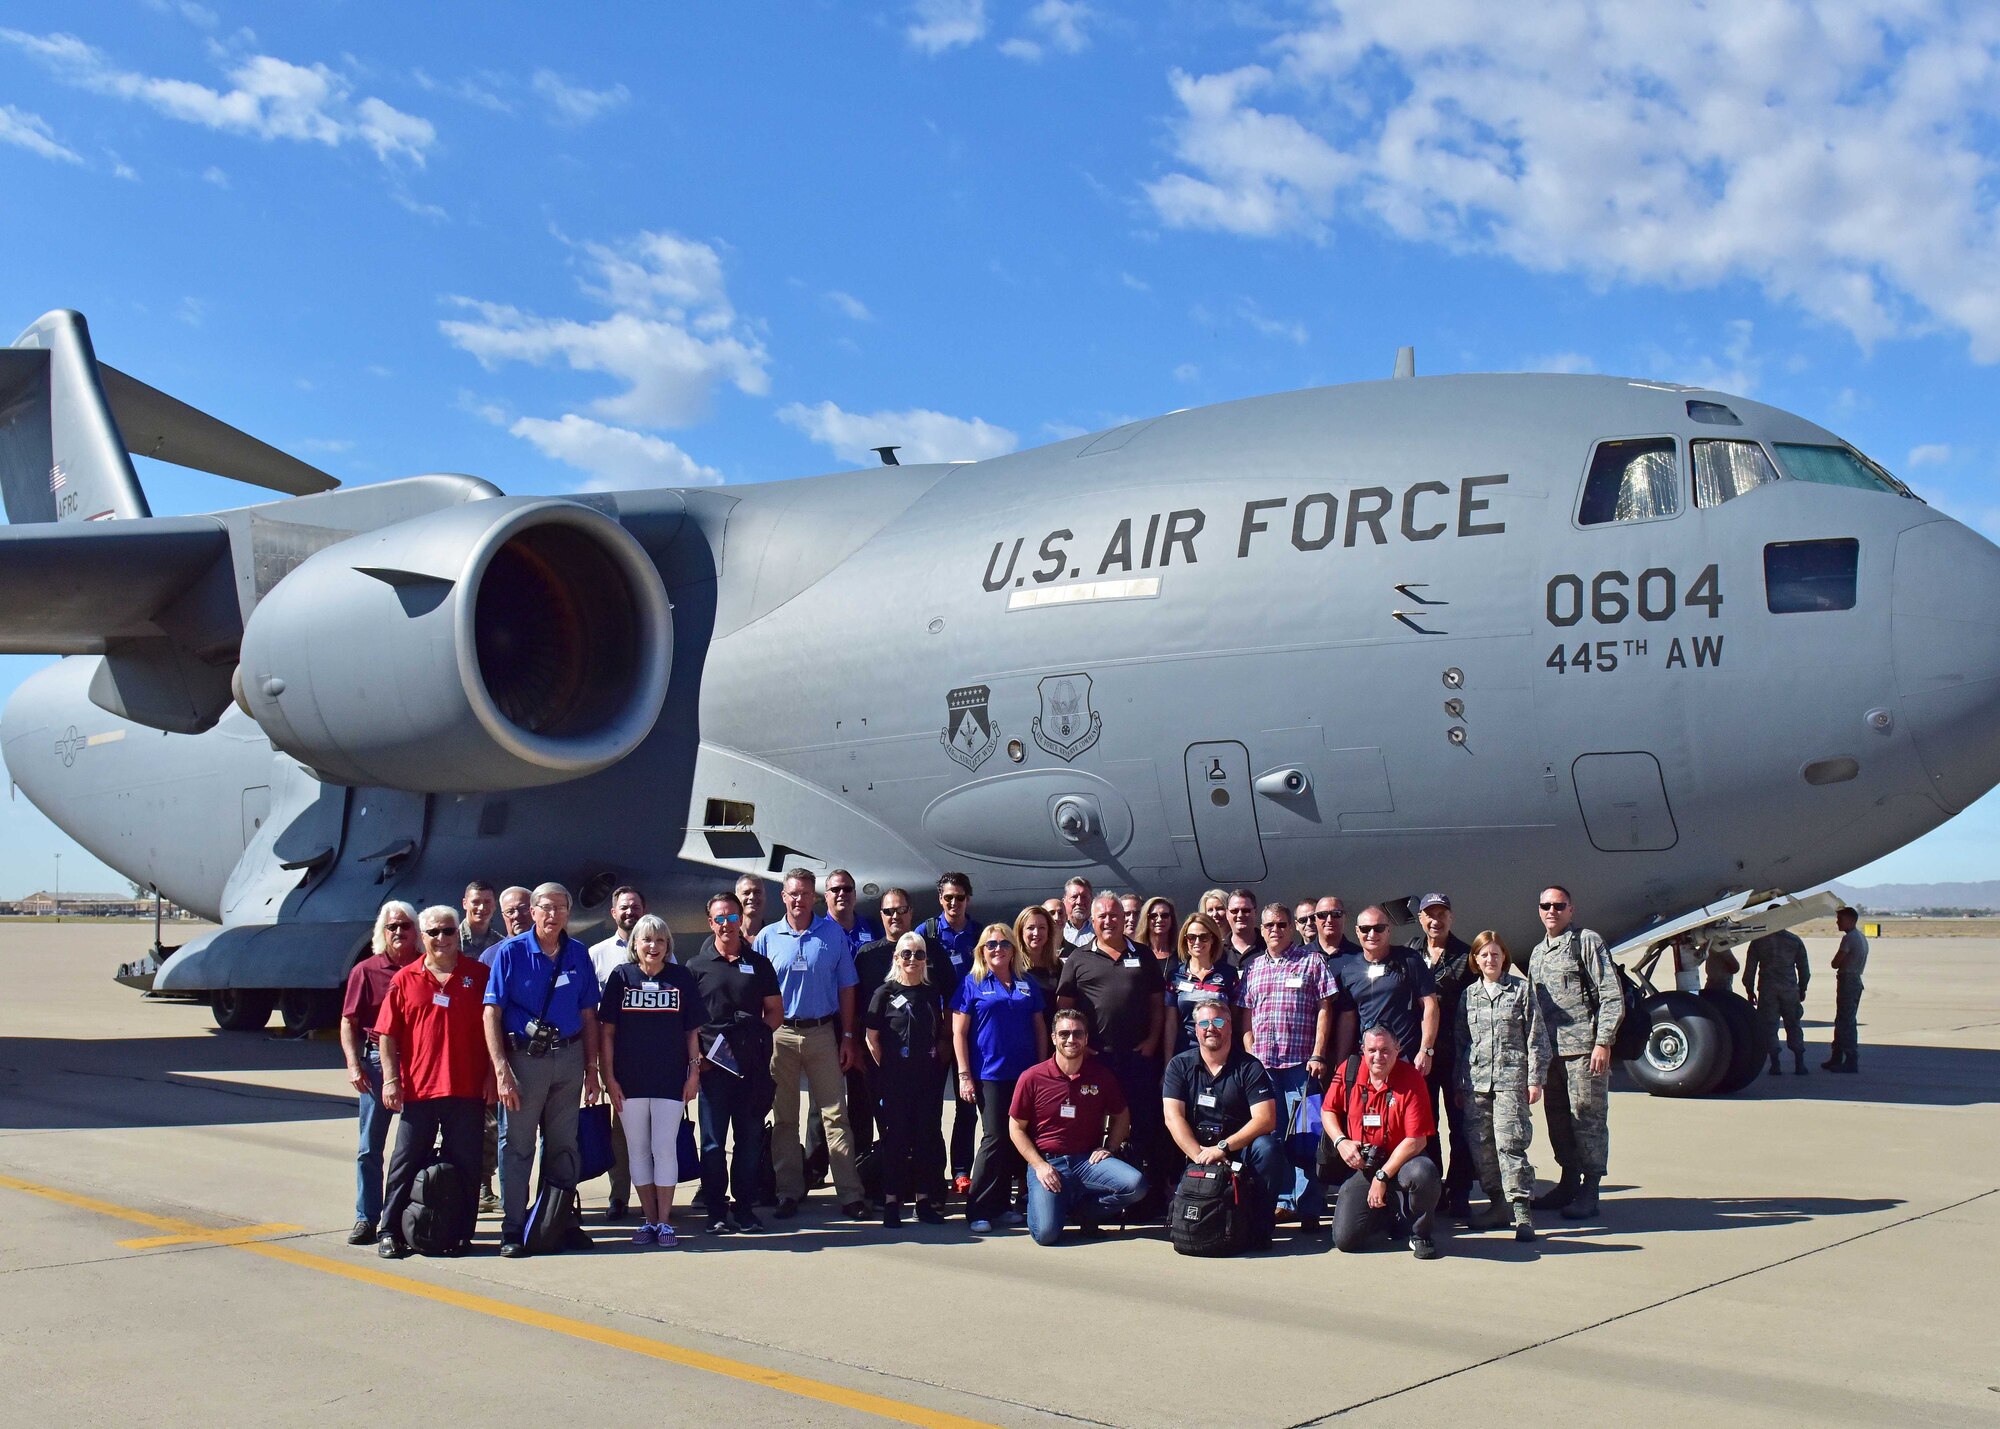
point(174, 1202)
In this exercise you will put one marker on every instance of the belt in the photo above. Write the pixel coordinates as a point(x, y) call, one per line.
point(516, 1042)
point(804, 1022)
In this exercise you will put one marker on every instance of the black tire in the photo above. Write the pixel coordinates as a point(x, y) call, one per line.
point(304, 1009)
point(1687, 1047)
point(242, 1009)
point(1746, 1051)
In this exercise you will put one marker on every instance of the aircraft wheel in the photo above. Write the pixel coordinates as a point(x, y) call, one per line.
point(241, 1009)
point(1687, 1046)
point(306, 1009)
point(1746, 1052)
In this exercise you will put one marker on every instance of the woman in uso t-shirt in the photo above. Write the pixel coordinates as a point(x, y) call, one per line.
point(651, 1016)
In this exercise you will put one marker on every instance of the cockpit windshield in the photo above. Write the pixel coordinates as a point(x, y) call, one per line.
point(1836, 466)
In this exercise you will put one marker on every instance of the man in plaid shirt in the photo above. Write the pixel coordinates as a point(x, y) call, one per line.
point(1287, 996)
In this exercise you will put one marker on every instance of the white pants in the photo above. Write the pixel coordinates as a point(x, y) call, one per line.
point(652, 1139)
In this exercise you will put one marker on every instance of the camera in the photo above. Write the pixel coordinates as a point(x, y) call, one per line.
point(1371, 1158)
point(539, 1038)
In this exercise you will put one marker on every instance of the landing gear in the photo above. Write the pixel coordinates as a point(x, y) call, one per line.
point(1688, 1046)
point(242, 1009)
point(304, 1010)
point(1746, 1062)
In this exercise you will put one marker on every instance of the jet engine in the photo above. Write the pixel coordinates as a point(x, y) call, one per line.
point(498, 644)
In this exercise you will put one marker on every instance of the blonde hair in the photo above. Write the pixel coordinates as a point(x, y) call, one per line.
point(912, 939)
point(652, 923)
point(1201, 903)
point(1050, 961)
point(1144, 932)
point(980, 970)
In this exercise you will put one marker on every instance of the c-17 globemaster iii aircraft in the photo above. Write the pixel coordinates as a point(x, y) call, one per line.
point(1677, 650)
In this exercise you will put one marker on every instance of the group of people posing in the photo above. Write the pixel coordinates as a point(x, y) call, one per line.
point(1092, 1050)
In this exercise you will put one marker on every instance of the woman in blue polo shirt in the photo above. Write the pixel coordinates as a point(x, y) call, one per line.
point(999, 1027)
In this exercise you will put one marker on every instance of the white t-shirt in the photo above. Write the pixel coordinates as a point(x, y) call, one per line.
point(609, 954)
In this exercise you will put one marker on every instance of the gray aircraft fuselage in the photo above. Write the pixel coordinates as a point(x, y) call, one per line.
point(1349, 640)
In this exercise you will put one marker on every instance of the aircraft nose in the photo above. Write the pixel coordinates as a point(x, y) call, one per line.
point(1945, 630)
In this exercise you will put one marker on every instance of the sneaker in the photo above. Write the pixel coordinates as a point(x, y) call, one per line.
point(1422, 1247)
point(981, 1228)
point(746, 1221)
point(1013, 1218)
point(489, 1204)
point(721, 1225)
point(646, 1235)
point(363, 1232)
point(665, 1239)
point(929, 1214)
point(961, 1186)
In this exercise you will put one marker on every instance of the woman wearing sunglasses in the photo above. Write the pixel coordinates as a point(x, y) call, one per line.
point(905, 1028)
point(1199, 971)
point(999, 1027)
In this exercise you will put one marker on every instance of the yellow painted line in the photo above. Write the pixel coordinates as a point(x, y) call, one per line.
point(229, 1237)
point(174, 1230)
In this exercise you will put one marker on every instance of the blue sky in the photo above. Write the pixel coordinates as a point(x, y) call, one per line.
point(622, 245)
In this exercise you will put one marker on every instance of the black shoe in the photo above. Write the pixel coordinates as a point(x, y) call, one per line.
point(929, 1214)
point(617, 1211)
point(489, 1204)
point(747, 1222)
point(577, 1238)
point(787, 1208)
point(1558, 1195)
point(363, 1232)
point(389, 1248)
point(1308, 1225)
point(1461, 1205)
point(1776, 1070)
point(1798, 1065)
point(854, 1210)
point(1584, 1206)
point(1524, 1223)
point(892, 1214)
point(513, 1250)
point(1090, 1230)
point(721, 1225)
point(1829, 1065)
point(1422, 1247)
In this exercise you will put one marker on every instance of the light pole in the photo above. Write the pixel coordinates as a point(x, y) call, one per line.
point(59, 888)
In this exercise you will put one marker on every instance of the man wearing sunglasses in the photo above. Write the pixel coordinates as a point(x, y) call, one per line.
point(1241, 914)
point(951, 937)
point(1220, 1107)
point(843, 911)
point(395, 944)
point(1581, 1001)
point(1391, 987)
point(741, 1009)
point(1066, 1116)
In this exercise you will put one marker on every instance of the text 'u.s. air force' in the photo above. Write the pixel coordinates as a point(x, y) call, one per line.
point(1366, 515)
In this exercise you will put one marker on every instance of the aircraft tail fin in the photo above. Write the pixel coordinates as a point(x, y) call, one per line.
point(67, 423)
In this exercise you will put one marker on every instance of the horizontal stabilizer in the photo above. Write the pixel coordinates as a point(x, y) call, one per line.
point(168, 429)
point(71, 589)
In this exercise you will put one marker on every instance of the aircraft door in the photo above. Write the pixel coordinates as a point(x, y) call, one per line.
point(1624, 802)
point(1225, 812)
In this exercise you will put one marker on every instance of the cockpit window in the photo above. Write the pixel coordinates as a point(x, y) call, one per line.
point(1836, 466)
point(1631, 481)
point(1810, 575)
point(1723, 471)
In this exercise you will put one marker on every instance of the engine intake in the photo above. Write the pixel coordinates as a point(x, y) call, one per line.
point(500, 644)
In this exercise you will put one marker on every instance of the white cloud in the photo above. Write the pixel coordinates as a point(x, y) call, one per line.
point(1838, 157)
point(1137, 285)
point(269, 98)
point(1929, 454)
point(482, 92)
point(1729, 366)
point(1558, 362)
point(31, 132)
point(191, 311)
point(575, 103)
point(1060, 25)
point(1264, 326)
point(922, 435)
point(671, 339)
point(214, 175)
point(941, 25)
point(849, 306)
point(615, 457)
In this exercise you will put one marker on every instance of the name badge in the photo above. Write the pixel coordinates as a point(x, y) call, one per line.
point(1376, 970)
point(899, 1001)
point(1130, 962)
point(1068, 1111)
point(1371, 1119)
point(1190, 986)
point(1296, 981)
point(1205, 1099)
point(562, 980)
point(745, 969)
point(440, 999)
point(652, 987)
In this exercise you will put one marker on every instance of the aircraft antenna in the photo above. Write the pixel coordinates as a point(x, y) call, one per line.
point(888, 455)
point(1406, 362)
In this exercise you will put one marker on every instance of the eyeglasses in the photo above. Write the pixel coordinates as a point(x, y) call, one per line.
point(1279, 923)
point(951, 897)
point(440, 932)
point(725, 919)
point(888, 912)
point(1199, 938)
point(1205, 1023)
point(1061, 1036)
point(1336, 913)
point(399, 927)
point(917, 956)
point(833, 888)
point(1369, 929)
point(1553, 907)
point(994, 945)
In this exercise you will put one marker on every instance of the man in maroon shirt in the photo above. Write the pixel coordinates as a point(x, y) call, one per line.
point(1378, 1122)
point(435, 1068)
point(1067, 1114)
point(394, 944)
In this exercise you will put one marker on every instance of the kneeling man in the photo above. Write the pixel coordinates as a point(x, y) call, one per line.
point(1220, 1106)
point(1378, 1127)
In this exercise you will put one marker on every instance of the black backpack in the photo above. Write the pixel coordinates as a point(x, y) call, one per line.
point(1210, 1214)
point(437, 1219)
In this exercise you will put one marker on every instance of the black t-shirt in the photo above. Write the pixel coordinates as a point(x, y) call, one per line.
point(1392, 997)
point(732, 997)
point(872, 965)
point(1118, 995)
point(907, 1019)
point(653, 1016)
point(1453, 973)
point(1217, 1105)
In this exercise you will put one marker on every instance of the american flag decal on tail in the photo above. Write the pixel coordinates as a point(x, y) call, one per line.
point(58, 478)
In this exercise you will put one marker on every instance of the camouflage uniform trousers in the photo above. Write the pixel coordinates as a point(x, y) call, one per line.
point(1576, 1105)
point(1781, 1002)
point(1499, 1129)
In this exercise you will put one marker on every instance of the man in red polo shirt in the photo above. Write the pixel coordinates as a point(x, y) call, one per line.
point(1067, 1114)
point(1379, 1128)
point(435, 1068)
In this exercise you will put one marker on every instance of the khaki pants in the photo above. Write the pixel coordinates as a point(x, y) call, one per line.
point(816, 1052)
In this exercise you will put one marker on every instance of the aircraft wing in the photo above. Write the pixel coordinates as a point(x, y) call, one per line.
point(72, 589)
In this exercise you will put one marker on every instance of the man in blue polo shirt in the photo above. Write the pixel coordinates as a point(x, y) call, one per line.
point(814, 964)
point(541, 1033)
point(951, 937)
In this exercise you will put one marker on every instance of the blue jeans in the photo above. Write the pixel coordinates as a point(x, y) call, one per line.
point(732, 1109)
point(374, 1140)
point(1103, 1186)
point(1302, 1192)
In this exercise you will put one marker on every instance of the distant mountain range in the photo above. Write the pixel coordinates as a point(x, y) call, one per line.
point(1898, 897)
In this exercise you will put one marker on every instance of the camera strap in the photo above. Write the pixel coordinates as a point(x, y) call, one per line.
point(555, 975)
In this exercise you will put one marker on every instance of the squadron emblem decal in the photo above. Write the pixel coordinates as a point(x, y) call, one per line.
point(969, 733)
point(1067, 724)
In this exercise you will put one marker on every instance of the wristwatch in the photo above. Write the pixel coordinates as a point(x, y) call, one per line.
point(1383, 1176)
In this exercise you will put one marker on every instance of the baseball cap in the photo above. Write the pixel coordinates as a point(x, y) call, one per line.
point(1433, 900)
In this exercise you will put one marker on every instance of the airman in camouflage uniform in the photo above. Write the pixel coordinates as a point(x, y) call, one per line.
point(1581, 1002)
point(1503, 1059)
point(1775, 974)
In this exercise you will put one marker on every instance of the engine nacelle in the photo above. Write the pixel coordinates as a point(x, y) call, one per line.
point(498, 644)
